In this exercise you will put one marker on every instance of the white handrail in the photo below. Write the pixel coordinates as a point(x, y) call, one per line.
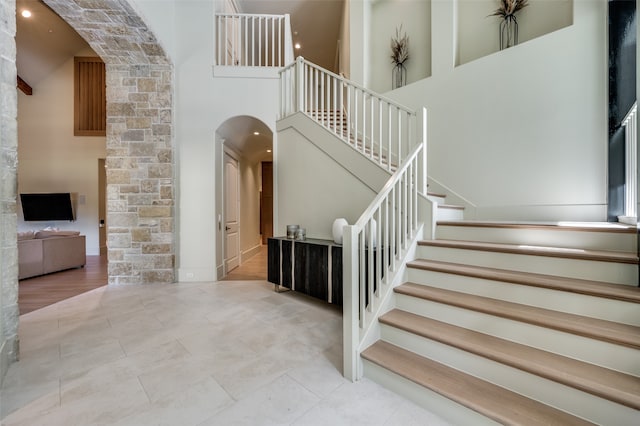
point(374, 247)
point(253, 40)
point(631, 149)
point(378, 127)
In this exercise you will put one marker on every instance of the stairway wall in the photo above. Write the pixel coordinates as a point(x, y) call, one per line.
point(313, 189)
point(521, 133)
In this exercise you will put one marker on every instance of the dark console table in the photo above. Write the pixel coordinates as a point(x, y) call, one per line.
point(310, 266)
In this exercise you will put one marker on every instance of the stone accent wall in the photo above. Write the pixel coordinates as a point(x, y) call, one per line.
point(140, 160)
point(8, 188)
point(140, 174)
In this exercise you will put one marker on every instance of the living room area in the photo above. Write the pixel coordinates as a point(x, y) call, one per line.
point(61, 167)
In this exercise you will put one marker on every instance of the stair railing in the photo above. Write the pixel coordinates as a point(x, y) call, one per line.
point(374, 248)
point(631, 150)
point(379, 128)
point(253, 40)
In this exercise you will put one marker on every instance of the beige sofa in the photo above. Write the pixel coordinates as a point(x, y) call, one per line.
point(49, 252)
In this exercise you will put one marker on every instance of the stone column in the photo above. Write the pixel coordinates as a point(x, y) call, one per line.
point(8, 188)
point(140, 174)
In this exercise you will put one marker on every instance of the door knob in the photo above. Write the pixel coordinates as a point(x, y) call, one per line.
point(226, 228)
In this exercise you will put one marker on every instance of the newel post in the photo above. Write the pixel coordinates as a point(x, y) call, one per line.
point(350, 316)
point(300, 84)
point(288, 41)
point(423, 183)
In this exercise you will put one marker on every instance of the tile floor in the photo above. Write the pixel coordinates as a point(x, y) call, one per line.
point(225, 353)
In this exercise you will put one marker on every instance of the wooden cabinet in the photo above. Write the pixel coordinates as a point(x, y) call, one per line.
point(312, 267)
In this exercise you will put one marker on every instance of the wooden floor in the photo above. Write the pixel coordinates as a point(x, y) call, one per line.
point(38, 292)
point(253, 269)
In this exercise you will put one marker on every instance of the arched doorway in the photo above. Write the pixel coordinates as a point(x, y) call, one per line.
point(140, 157)
point(246, 191)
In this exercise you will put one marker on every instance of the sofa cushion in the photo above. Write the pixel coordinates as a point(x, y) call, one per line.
point(26, 235)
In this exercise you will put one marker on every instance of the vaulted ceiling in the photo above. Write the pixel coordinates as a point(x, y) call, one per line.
point(45, 41)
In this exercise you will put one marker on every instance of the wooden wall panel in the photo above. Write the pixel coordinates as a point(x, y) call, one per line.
point(90, 97)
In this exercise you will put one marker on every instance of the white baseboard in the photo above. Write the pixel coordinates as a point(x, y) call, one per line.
point(197, 275)
point(248, 254)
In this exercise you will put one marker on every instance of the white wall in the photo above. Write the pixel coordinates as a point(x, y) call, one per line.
point(345, 41)
point(478, 34)
point(359, 37)
point(51, 159)
point(202, 104)
point(475, 32)
point(159, 15)
point(512, 131)
point(250, 184)
point(521, 133)
point(314, 190)
point(415, 18)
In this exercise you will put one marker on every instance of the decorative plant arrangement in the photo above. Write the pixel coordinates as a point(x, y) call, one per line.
point(399, 55)
point(509, 24)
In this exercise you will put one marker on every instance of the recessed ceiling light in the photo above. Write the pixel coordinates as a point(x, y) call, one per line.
point(256, 133)
point(297, 46)
point(268, 150)
point(26, 13)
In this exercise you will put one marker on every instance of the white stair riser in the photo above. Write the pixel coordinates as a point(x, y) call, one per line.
point(541, 237)
point(449, 410)
point(615, 357)
point(436, 199)
point(579, 304)
point(551, 393)
point(445, 213)
point(618, 273)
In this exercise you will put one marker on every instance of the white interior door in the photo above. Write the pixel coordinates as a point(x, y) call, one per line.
point(232, 213)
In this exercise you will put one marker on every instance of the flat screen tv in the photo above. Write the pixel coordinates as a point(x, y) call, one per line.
point(50, 206)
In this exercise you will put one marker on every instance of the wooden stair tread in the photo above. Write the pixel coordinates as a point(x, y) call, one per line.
point(605, 383)
point(607, 331)
point(433, 194)
point(574, 285)
point(575, 226)
point(568, 253)
point(490, 400)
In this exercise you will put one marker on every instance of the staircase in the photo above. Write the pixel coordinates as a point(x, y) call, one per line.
point(446, 211)
point(517, 324)
point(486, 322)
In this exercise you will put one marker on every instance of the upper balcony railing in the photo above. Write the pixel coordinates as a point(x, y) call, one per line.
point(250, 40)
